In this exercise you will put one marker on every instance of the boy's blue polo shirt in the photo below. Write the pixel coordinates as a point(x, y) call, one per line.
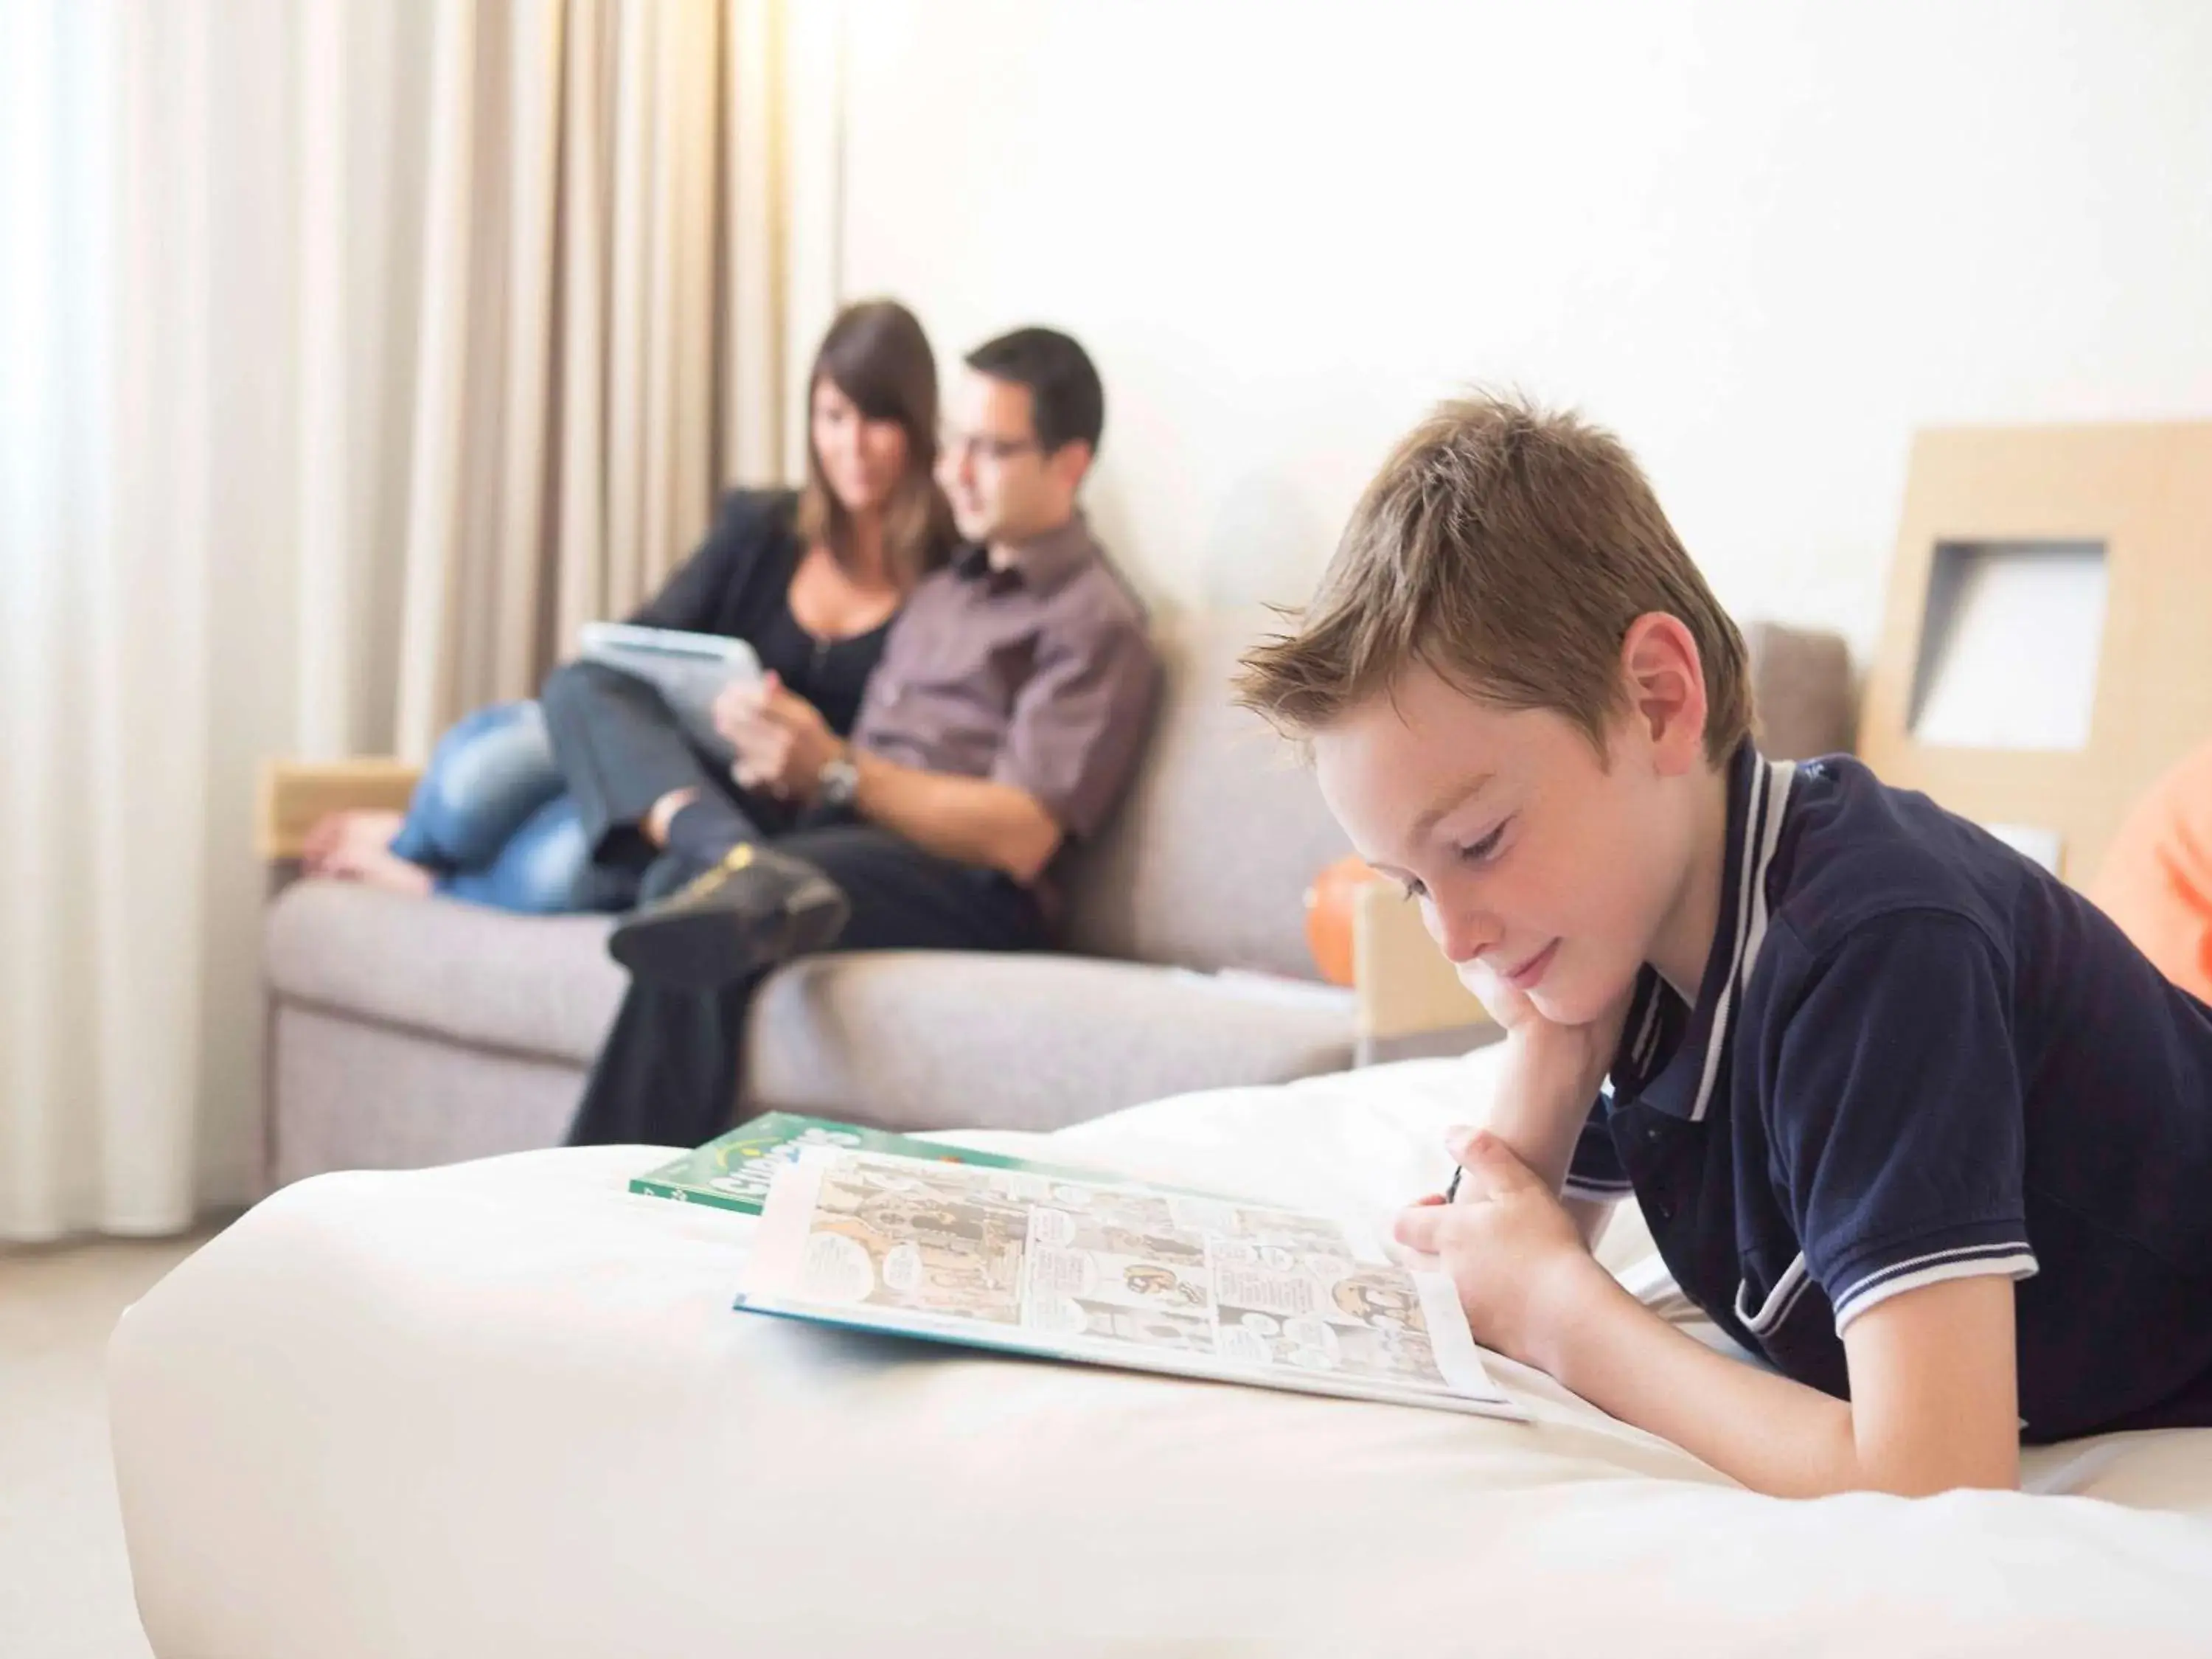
point(1916, 1056)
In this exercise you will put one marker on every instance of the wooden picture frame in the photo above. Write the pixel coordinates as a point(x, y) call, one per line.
point(2144, 495)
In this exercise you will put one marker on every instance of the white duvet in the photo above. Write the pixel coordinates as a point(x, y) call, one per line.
point(504, 1408)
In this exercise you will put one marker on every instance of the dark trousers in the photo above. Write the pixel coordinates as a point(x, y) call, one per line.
point(667, 1074)
point(620, 750)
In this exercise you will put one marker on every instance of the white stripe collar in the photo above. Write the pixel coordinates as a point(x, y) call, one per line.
point(1759, 796)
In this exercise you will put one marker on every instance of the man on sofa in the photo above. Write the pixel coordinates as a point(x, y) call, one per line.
point(1003, 721)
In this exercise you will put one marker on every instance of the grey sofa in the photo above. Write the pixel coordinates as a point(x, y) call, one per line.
point(403, 1032)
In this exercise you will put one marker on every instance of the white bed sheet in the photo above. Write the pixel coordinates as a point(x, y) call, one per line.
point(504, 1407)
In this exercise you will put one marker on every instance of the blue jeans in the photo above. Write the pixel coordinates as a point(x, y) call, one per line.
point(493, 823)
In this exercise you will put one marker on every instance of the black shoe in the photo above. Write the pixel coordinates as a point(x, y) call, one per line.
point(752, 911)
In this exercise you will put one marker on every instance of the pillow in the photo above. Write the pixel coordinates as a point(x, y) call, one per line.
point(2156, 882)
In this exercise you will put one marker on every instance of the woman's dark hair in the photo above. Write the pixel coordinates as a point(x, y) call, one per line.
point(1069, 402)
point(876, 354)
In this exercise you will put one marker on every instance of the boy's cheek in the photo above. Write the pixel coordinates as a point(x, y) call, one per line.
point(1583, 985)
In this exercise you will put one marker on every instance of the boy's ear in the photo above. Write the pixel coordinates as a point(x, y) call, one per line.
point(1666, 686)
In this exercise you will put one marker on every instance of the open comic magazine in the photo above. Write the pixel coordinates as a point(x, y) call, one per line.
point(1111, 1274)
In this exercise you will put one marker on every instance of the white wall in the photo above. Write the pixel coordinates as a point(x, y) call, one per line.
point(1762, 242)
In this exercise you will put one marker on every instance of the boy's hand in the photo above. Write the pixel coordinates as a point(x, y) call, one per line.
point(1508, 1006)
point(1510, 1246)
point(1583, 1052)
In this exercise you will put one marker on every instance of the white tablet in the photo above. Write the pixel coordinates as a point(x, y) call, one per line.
point(606, 641)
point(690, 671)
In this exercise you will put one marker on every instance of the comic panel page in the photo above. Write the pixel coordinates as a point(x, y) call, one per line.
point(904, 1234)
point(1115, 1274)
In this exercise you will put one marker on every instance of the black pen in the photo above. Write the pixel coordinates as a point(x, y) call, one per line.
point(1451, 1186)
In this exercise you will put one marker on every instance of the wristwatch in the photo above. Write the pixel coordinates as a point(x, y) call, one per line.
point(837, 782)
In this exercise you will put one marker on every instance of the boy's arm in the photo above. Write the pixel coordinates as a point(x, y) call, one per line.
point(1933, 1370)
point(1548, 1078)
point(1934, 1399)
point(1591, 1216)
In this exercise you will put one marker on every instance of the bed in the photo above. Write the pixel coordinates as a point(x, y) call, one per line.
point(504, 1407)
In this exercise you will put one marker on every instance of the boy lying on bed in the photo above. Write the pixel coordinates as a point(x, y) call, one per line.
point(1907, 1116)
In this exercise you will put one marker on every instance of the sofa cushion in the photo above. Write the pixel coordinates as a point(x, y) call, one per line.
point(1801, 690)
point(1206, 864)
point(349, 1093)
point(536, 986)
point(1207, 861)
point(920, 1040)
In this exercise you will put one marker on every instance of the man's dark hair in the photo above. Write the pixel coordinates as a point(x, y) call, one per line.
point(1069, 403)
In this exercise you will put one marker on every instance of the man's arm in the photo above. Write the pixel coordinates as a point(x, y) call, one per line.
point(1069, 746)
point(1934, 1406)
point(783, 743)
point(968, 820)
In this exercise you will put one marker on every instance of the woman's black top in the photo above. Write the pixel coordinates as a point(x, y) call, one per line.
point(738, 584)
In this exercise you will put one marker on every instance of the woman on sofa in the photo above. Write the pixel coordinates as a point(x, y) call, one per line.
point(531, 816)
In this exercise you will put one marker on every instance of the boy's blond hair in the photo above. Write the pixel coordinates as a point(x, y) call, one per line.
point(1508, 549)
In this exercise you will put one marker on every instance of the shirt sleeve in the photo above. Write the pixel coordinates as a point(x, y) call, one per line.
point(1595, 1170)
point(1898, 1120)
point(1079, 720)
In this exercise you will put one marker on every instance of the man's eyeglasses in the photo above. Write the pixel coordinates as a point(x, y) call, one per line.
point(991, 447)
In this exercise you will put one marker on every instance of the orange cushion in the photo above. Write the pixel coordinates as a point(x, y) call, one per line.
point(1330, 903)
point(2157, 877)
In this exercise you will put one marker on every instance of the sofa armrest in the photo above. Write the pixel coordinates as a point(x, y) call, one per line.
point(1409, 1002)
point(295, 794)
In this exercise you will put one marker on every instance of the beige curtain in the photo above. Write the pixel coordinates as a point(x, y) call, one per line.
point(349, 356)
point(606, 276)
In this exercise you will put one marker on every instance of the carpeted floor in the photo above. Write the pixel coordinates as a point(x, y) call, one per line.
point(64, 1583)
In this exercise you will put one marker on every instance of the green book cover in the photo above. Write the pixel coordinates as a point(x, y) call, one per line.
point(735, 1171)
